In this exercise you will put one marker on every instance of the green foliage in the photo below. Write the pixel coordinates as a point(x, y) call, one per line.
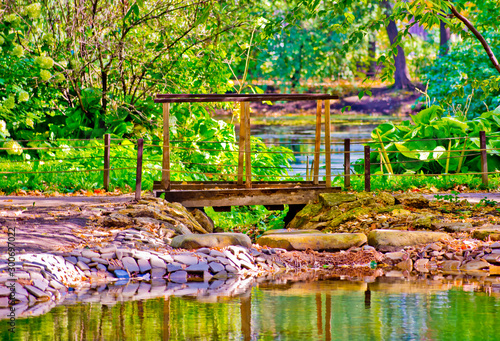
point(435, 144)
point(463, 81)
point(253, 220)
point(452, 198)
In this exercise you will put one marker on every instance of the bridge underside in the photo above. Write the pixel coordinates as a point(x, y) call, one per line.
point(227, 194)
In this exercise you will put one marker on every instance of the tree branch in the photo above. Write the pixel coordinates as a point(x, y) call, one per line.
point(478, 35)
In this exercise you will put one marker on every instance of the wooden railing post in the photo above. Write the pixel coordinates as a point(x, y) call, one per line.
point(367, 169)
point(317, 143)
point(484, 157)
point(165, 173)
point(328, 152)
point(241, 144)
point(248, 152)
point(138, 173)
point(107, 146)
point(347, 163)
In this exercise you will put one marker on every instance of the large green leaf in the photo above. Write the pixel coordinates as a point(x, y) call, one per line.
point(425, 116)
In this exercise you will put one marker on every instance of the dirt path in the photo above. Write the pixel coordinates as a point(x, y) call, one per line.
point(55, 223)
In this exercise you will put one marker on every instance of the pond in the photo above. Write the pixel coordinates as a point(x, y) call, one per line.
point(332, 309)
point(297, 132)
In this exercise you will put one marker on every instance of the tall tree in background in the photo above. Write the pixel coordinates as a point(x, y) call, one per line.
point(401, 74)
point(444, 38)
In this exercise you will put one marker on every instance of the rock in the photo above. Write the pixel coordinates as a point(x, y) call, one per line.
point(185, 259)
point(421, 265)
point(335, 199)
point(41, 284)
point(475, 265)
point(176, 210)
point(304, 215)
point(386, 198)
point(317, 242)
point(89, 254)
point(203, 220)
point(216, 253)
point(424, 221)
point(144, 265)
point(72, 260)
point(130, 264)
point(453, 226)
point(100, 261)
point(220, 275)
point(122, 274)
point(108, 249)
point(117, 220)
point(495, 245)
point(178, 277)
point(216, 267)
point(173, 267)
point(108, 255)
point(210, 240)
point(158, 273)
point(156, 262)
point(415, 200)
point(231, 269)
point(451, 265)
point(483, 233)
point(391, 239)
point(405, 265)
point(36, 292)
point(82, 266)
point(200, 267)
point(396, 256)
point(288, 231)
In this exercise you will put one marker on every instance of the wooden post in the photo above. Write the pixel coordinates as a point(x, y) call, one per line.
point(367, 169)
point(248, 152)
point(107, 146)
point(328, 152)
point(317, 143)
point(138, 173)
point(347, 163)
point(165, 174)
point(484, 157)
point(241, 146)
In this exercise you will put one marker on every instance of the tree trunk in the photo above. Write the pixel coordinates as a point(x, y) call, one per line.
point(444, 38)
point(401, 75)
point(372, 46)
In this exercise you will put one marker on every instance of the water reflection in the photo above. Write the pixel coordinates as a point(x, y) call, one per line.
point(384, 308)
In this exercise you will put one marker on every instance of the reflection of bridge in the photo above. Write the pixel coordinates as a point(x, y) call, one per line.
point(244, 187)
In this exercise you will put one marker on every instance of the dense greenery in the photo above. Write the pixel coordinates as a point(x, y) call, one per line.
point(435, 143)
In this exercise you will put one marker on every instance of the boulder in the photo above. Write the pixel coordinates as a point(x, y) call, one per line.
point(196, 241)
point(288, 231)
point(117, 220)
point(385, 198)
point(313, 241)
point(394, 239)
point(476, 265)
point(203, 220)
point(415, 200)
point(304, 215)
point(453, 226)
point(335, 199)
point(493, 232)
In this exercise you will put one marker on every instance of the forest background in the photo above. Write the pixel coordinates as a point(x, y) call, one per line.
point(71, 72)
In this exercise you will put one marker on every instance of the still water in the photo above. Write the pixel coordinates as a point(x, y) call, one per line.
point(334, 309)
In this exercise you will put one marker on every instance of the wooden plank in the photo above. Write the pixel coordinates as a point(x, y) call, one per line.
point(347, 163)
point(138, 173)
point(231, 184)
point(367, 169)
point(184, 98)
point(317, 143)
point(484, 157)
point(328, 152)
point(107, 146)
point(248, 152)
point(244, 197)
point(165, 174)
point(241, 145)
point(248, 98)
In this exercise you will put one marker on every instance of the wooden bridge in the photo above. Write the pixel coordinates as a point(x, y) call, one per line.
point(244, 190)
